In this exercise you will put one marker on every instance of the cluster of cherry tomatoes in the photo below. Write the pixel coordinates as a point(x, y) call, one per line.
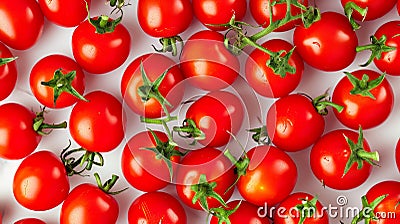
point(178, 125)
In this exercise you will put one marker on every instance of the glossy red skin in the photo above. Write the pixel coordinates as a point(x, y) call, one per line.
point(164, 18)
point(210, 162)
point(262, 78)
point(43, 71)
point(270, 177)
point(172, 87)
point(59, 11)
point(376, 8)
point(260, 11)
point(389, 60)
point(93, 51)
point(156, 207)
point(218, 12)
point(389, 205)
point(359, 110)
point(87, 203)
point(8, 73)
point(398, 155)
point(217, 114)
point(290, 214)
point(29, 221)
point(97, 125)
point(328, 158)
point(141, 168)
point(20, 140)
point(18, 29)
point(246, 213)
point(328, 44)
point(41, 182)
point(293, 123)
point(206, 63)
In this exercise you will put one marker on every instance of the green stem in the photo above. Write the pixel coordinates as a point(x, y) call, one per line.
point(39, 126)
point(377, 47)
point(106, 187)
point(4, 61)
point(349, 8)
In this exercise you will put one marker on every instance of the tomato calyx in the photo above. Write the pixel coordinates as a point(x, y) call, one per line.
point(222, 214)
point(4, 61)
point(306, 208)
point(241, 165)
point(106, 187)
point(349, 9)
point(260, 135)
point(63, 83)
point(358, 154)
point(377, 47)
point(322, 102)
point(189, 129)
point(204, 190)
point(367, 212)
point(39, 126)
point(88, 157)
point(363, 86)
point(169, 45)
point(165, 150)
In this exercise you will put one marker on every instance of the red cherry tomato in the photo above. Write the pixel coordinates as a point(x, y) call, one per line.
point(398, 155)
point(287, 213)
point(44, 71)
point(41, 182)
point(170, 88)
point(260, 11)
point(93, 51)
point(270, 177)
point(218, 12)
point(206, 62)
point(217, 169)
point(331, 153)
point(156, 207)
point(375, 8)
point(142, 168)
point(59, 12)
point(87, 203)
point(328, 44)
point(164, 18)
point(29, 221)
point(22, 23)
point(360, 109)
point(262, 78)
point(8, 72)
point(97, 125)
point(246, 213)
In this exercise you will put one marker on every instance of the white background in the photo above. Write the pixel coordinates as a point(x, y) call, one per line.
point(56, 40)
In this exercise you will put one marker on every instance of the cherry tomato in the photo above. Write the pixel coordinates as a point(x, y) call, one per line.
point(164, 18)
point(389, 60)
point(262, 78)
point(97, 125)
point(41, 182)
point(156, 207)
point(170, 88)
point(328, 44)
point(29, 221)
point(246, 213)
point(206, 62)
point(93, 50)
point(376, 8)
point(8, 72)
point(260, 10)
point(45, 70)
point(287, 213)
point(87, 203)
point(398, 154)
point(293, 122)
point(22, 23)
point(218, 12)
point(270, 177)
point(59, 12)
point(215, 115)
point(362, 108)
point(330, 155)
point(215, 167)
point(144, 169)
